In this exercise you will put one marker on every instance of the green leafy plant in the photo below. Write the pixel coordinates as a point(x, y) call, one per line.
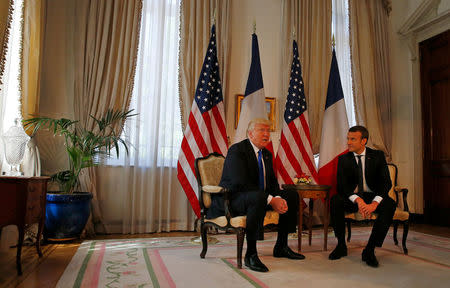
point(83, 146)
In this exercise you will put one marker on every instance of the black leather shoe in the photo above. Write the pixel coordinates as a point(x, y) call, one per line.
point(254, 263)
point(286, 252)
point(338, 252)
point(368, 256)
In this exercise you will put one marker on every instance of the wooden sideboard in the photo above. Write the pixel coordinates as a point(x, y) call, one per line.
point(23, 203)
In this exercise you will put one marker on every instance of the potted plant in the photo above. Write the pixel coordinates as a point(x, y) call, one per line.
point(68, 210)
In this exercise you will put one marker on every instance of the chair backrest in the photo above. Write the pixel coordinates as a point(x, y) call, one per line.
point(209, 172)
point(393, 173)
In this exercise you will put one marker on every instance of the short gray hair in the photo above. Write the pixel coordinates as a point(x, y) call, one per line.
point(253, 122)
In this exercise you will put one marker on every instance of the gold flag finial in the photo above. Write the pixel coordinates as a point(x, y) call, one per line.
point(254, 26)
point(333, 42)
point(214, 16)
point(293, 32)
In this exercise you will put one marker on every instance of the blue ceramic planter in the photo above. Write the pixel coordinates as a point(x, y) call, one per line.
point(66, 215)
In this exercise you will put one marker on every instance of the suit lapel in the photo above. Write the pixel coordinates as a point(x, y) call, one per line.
point(253, 161)
point(369, 162)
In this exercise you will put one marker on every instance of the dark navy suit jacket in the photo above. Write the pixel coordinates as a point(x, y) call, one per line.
point(240, 175)
point(376, 173)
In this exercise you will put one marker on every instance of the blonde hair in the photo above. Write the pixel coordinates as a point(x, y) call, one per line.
point(253, 122)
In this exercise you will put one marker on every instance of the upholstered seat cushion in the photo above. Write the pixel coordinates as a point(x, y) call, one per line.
point(358, 216)
point(401, 215)
point(271, 217)
point(220, 221)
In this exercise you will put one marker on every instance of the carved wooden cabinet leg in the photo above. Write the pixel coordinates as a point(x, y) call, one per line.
point(19, 250)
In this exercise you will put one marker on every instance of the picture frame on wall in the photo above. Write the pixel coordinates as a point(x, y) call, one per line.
point(270, 104)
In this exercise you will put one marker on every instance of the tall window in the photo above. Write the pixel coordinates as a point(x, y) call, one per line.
point(155, 134)
point(10, 89)
point(340, 30)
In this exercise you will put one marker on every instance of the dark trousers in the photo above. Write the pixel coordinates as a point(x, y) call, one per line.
point(341, 205)
point(253, 204)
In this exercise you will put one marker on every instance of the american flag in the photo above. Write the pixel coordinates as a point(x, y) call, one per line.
point(295, 154)
point(205, 132)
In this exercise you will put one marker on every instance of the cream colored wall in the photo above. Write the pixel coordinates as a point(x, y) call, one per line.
point(402, 104)
point(266, 13)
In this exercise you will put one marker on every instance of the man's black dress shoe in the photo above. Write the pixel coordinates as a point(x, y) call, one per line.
point(254, 263)
point(338, 252)
point(368, 256)
point(286, 252)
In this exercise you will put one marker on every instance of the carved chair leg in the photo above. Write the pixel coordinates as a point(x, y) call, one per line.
point(405, 235)
point(240, 243)
point(349, 230)
point(203, 230)
point(395, 232)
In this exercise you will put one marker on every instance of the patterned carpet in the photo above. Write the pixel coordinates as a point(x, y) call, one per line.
point(175, 262)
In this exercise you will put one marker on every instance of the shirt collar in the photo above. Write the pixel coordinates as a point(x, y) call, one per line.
point(254, 147)
point(362, 154)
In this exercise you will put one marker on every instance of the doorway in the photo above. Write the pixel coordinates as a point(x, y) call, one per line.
point(435, 90)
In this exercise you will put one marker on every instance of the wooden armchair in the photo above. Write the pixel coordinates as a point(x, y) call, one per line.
point(209, 171)
point(399, 194)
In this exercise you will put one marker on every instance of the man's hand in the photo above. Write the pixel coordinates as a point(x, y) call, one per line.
point(366, 209)
point(279, 205)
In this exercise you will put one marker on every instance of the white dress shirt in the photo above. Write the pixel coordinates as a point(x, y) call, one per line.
point(365, 187)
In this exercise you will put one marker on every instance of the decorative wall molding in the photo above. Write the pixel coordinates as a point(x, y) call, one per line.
point(423, 24)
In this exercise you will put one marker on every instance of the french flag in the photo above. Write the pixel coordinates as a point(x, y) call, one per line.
point(254, 102)
point(334, 130)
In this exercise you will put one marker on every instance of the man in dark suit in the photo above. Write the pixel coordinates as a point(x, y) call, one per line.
point(363, 183)
point(248, 174)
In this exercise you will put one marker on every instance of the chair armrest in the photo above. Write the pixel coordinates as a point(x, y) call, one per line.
point(404, 191)
point(400, 189)
point(212, 189)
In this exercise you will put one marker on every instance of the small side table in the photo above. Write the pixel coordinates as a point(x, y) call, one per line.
point(312, 192)
point(23, 202)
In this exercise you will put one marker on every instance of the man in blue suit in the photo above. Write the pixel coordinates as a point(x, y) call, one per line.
point(363, 184)
point(248, 174)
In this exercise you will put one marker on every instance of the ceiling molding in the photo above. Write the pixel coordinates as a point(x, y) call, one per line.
point(423, 17)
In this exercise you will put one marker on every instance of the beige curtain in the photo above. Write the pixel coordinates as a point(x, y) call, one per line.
point(32, 51)
point(8, 234)
point(369, 46)
point(34, 17)
point(107, 37)
point(5, 22)
point(310, 22)
point(196, 23)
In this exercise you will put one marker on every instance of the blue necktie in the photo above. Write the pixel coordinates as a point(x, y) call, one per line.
point(261, 171)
